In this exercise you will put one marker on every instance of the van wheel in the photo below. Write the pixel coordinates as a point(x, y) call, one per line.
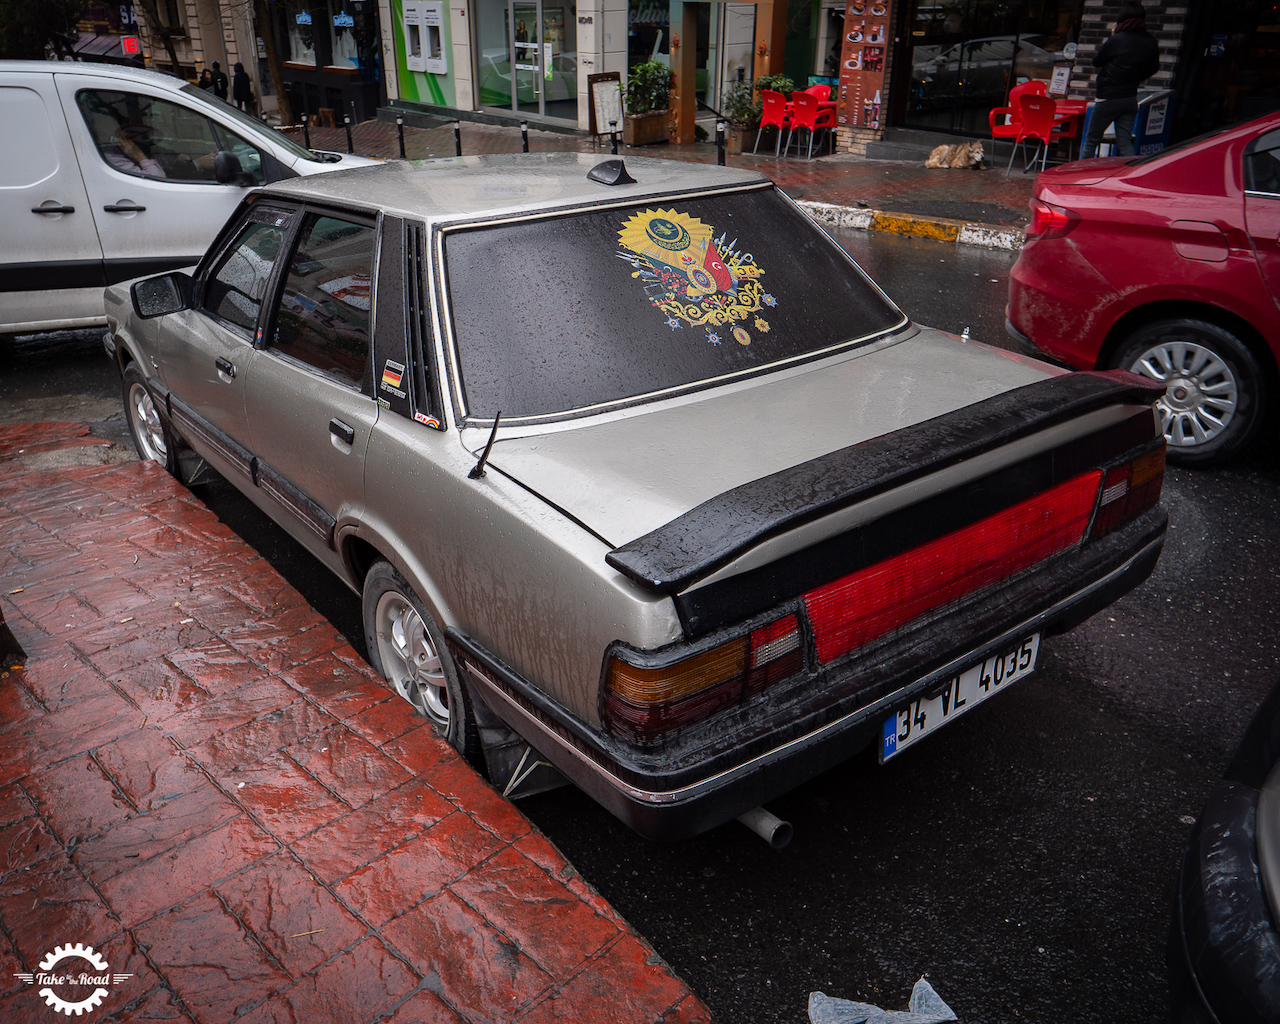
point(152, 435)
point(1215, 399)
point(407, 648)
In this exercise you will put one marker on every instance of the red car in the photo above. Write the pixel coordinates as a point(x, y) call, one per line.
point(1167, 265)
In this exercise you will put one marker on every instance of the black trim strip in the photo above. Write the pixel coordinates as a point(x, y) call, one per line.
point(127, 270)
point(194, 427)
point(694, 545)
point(311, 515)
point(49, 274)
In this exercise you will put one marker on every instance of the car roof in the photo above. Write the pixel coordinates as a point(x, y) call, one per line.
point(77, 67)
point(494, 184)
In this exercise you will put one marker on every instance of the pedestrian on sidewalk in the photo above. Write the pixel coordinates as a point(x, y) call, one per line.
point(1124, 61)
point(206, 81)
point(241, 89)
point(219, 81)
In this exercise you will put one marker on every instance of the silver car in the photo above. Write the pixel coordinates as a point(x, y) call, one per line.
point(642, 481)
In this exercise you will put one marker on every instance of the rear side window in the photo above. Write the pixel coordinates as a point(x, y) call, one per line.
point(326, 305)
point(235, 289)
point(566, 313)
point(1262, 164)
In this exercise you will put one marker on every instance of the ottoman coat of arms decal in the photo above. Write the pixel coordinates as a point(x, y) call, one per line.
point(694, 277)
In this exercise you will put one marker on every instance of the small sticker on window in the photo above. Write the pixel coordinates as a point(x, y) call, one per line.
point(430, 421)
point(392, 375)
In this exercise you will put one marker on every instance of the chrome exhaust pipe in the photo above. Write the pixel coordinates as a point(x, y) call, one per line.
point(773, 830)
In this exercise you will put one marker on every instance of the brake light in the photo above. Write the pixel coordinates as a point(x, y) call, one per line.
point(872, 602)
point(643, 703)
point(1049, 221)
point(1128, 491)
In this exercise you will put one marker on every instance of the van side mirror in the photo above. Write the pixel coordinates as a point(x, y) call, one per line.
point(227, 170)
point(159, 296)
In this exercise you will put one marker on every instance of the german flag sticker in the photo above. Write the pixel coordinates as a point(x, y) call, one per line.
point(392, 372)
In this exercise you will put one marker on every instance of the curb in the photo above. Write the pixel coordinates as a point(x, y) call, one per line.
point(961, 232)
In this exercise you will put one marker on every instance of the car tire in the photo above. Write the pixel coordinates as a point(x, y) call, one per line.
point(1217, 397)
point(152, 436)
point(408, 650)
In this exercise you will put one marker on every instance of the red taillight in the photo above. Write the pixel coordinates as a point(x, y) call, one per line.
point(1128, 491)
point(641, 704)
point(849, 612)
point(1049, 221)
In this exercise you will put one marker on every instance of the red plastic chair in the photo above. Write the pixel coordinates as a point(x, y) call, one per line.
point(1038, 120)
point(775, 116)
point(805, 113)
point(1004, 121)
point(823, 92)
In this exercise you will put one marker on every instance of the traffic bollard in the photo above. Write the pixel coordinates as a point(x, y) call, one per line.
point(400, 132)
point(720, 143)
point(306, 132)
point(347, 121)
point(613, 137)
point(524, 135)
point(457, 137)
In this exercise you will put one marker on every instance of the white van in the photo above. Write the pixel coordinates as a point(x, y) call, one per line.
point(110, 173)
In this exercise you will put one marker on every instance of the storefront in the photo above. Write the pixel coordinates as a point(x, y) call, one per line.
point(527, 58)
point(331, 56)
point(960, 59)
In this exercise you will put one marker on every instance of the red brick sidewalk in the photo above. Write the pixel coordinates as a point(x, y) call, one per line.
point(203, 781)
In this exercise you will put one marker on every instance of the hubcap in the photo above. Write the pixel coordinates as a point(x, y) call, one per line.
point(410, 659)
point(1201, 392)
point(146, 425)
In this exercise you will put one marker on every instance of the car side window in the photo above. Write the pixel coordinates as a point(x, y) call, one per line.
point(325, 306)
point(249, 155)
point(235, 289)
point(152, 138)
point(1262, 164)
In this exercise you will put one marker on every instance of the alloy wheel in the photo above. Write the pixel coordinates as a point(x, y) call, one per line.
point(410, 659)
point(1201, 393)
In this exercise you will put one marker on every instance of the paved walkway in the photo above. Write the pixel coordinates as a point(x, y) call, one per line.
point(201, 780)
point(926, 201)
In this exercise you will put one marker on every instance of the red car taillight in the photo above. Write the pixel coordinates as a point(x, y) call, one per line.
point(640, 704)
point(1049, 221)
point(871, 602)
point(1128, 491)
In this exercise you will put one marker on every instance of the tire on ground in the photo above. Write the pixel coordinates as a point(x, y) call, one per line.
point(152, 436)
point(1217, 396)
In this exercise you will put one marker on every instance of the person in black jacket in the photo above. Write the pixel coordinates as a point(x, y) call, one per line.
point(1123, 61)
point(219, 81)
point(241, 88)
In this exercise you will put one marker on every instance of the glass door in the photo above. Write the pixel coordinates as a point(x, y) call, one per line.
point(525, 20)
point(526, 57)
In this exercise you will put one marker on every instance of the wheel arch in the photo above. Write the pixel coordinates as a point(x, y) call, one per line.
point(1138, 318)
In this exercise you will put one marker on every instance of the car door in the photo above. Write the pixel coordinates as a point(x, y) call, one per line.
point(49, 240)
point(309, 398)
point(204, 354)
point(148, 165)
point(1262, 206)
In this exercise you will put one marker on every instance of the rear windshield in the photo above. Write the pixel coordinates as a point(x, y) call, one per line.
point(566, 313)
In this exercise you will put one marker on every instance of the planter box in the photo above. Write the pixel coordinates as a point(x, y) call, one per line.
point(738, 140)
point(645, 129)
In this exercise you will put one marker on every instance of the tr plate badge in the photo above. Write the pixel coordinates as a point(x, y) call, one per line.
point(693, 277)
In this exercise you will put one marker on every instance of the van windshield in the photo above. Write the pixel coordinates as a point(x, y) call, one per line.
point(250, 124)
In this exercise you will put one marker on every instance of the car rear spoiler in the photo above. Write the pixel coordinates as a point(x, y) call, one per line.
point(691, 547)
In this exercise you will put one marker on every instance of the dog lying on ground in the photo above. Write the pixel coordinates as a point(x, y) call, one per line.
point(962, 154)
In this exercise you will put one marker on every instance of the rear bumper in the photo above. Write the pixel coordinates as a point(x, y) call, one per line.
point(718, 772)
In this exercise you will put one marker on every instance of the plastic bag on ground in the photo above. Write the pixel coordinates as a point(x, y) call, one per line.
point(925, 1007)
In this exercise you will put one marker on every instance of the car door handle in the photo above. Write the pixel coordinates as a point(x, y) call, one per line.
point(344, 433)
point(124, 208)
point(225, 366)
point(53, 209)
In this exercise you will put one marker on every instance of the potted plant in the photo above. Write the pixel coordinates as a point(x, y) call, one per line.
point(648, 93)
point(742, 113)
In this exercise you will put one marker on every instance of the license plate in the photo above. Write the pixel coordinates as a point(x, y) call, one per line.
point(958, 694)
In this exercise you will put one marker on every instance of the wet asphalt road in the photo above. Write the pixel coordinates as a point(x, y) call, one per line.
point(1024, 857)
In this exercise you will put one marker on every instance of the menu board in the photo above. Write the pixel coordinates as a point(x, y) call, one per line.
point(862, 93)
